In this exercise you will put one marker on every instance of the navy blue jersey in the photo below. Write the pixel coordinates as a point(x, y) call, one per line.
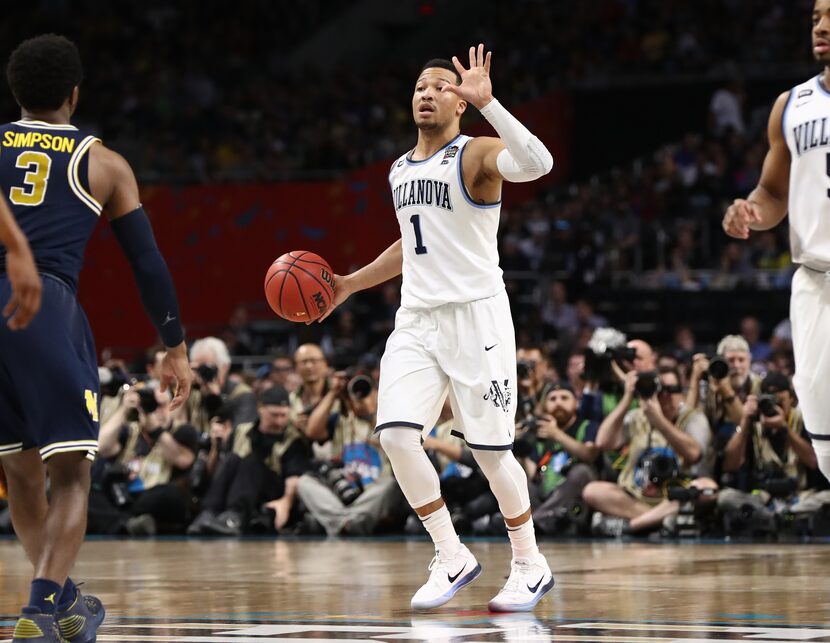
point(44, 175)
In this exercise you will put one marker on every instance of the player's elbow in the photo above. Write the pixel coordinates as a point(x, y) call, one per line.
point(545, 160)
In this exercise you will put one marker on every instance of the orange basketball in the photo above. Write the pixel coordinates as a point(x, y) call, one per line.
point(299, 286)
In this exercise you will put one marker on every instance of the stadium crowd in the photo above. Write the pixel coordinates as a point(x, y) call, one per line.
point(178, 112)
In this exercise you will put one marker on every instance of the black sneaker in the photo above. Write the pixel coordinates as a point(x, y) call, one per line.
point(197, 527)
point(80, 623)
point(34, 627)
point(227, 523)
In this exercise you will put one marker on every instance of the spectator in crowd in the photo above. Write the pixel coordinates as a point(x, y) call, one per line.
point(771, 462)
point(353, 493)
point(726, 109)
point(557, 314)
point(254, 489)
point(559, 454)
point(666, 442)
point(141, 482)
point(282, 368)
point(751, 332)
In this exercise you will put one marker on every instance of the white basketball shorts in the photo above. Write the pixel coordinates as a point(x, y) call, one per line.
point(465, 350)
point(810, 316)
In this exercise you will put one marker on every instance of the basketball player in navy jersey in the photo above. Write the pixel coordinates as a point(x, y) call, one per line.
point(59, 181)
point(454, 331)
point(795, 179)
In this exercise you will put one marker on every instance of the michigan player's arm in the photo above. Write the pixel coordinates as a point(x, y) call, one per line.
point(766, 206)
point(113, 184)
point(387, 266)
point(20, 270)
point(516, 156)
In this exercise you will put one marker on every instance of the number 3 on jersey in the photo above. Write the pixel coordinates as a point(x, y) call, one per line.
point(420, 248)
point(37, 166)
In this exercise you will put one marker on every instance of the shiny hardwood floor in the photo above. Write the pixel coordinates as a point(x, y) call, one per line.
point(212, 591)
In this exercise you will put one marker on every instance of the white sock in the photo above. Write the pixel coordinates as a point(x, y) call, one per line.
point(441, 530)
point(523, 540)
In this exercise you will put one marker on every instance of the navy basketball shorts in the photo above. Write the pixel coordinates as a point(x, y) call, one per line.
point(49, 378)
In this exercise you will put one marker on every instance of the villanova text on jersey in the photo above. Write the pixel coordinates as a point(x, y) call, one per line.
point(810, 135)
point(423, 192)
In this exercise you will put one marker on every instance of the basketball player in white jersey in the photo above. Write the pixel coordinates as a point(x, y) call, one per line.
point(454, 332)
point(796, 178)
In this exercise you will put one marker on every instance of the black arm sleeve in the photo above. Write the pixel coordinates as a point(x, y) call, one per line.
point(158, 295)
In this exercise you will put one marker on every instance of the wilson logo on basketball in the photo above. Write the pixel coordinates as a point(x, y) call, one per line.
point(326, 276)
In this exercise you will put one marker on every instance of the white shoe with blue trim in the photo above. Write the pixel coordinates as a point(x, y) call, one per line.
point(448, 575)
point(529, 581)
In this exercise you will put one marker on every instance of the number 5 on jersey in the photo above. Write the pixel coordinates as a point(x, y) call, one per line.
point(420, 248)
point(37, 166)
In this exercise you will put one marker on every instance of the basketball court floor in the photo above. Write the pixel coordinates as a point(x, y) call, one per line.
point(259, 591)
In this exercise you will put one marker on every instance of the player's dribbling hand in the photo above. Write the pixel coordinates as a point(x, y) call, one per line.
point(175, 369)
point(342, 291)
point(476, 87)
point(26, 288)
point(739, 216)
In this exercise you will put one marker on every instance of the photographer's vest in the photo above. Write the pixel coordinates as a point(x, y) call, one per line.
point(553, 458)
point(355, 444)
point(641, 437)
point(242, 444)
point(153, 469)
point(766, 455)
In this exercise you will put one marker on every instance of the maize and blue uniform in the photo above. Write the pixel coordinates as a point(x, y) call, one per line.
point(49, 372)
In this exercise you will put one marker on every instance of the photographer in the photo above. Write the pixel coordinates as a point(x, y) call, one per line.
point(723, 383)
point(532, 367)
point(559, 454)
point(217, 406)
point(312, 367)
point(254, 488)
point(770, 457)
point(666, 443)
point(142, 485)
point(353, 491)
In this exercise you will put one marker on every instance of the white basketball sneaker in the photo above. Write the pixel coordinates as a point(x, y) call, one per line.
point(448, 575)
point(529, 580)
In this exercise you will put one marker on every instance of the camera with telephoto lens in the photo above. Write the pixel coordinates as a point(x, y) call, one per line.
point(768, 405)
point(524, 369)
point(648, 385)
point(359, 387)
point(207, 372)
point(718, 367)
point(115, 481)
point(347, 487)
point(146, 401)
point(659, 468)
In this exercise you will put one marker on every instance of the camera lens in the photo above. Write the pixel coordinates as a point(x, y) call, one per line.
point(718, 367)
point(647, 385)
point(360, 387)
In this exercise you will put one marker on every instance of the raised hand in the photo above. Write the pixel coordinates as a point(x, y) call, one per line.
point(738, 218)
point(475, 86)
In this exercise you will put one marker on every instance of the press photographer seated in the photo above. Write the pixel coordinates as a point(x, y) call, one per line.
point(254, 488)
point(667, 444)
point(557, 449)
point(769, 462)
point(353, 491)
point(721, 384)
point(141, 480)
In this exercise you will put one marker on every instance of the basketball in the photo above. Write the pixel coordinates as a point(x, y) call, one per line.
point(299, 286)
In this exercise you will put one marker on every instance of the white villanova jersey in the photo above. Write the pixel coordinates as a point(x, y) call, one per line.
point(450, 252)
point(806, 127)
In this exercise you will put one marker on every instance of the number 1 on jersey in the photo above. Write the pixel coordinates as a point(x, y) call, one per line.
point(420, 248)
